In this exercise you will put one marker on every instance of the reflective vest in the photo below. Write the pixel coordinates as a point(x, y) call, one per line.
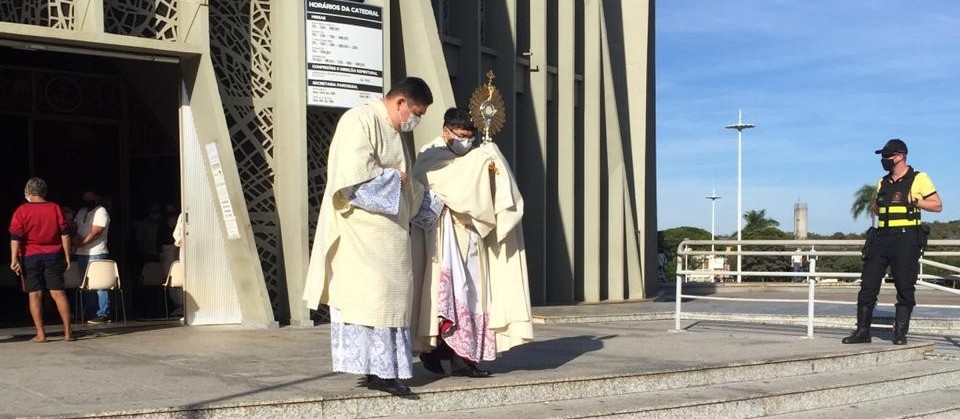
point(894, 209)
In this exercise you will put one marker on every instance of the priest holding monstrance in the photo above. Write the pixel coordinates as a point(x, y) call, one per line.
point(474, 301)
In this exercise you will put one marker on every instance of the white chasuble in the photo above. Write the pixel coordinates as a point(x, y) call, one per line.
point(474, 261)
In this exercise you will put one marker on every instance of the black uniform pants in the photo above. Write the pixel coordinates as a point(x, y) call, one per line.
point(900, 250)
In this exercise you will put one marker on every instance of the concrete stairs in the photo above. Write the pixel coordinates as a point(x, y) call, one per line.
point(942, 403)
point(846, 384)
point(877, 390)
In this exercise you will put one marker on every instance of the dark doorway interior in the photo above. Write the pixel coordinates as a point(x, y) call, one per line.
point(91, 123)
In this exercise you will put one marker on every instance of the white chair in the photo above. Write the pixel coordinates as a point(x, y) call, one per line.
point(175, 279)
point(103, 275)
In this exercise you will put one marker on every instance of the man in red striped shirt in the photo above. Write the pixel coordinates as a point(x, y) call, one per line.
point(38, 235)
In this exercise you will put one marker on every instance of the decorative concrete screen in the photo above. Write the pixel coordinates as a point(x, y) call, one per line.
point(57, 14)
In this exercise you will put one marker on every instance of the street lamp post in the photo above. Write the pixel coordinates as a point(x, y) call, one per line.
point(739, 126)
point(713, 215)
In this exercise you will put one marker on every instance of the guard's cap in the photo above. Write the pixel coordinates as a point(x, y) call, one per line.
point(895, 145)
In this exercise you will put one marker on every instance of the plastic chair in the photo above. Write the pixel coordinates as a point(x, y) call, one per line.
point(103, 274)
point(72, 279)
point(175, 279)
point(152, 275)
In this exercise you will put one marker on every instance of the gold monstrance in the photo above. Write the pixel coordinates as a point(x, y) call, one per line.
point(486, 108)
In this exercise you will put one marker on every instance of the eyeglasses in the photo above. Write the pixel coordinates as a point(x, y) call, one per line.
point(460, 132)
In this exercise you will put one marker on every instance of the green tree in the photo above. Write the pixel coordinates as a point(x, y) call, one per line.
point(764, 263)
point(670, 239)
point(757, 220)
point(863, 202)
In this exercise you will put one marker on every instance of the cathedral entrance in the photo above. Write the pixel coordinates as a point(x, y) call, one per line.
point(93, 123)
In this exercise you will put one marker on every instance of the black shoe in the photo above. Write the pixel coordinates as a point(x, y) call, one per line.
point(389, 385)
point(432, 363)
point(470, 371)
point(98, 320)
point(858, 336)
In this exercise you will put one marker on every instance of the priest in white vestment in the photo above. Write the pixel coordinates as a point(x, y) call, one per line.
point(360, 264)
point(474, 300)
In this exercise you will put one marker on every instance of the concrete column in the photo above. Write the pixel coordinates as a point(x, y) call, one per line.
point(638, 46)
point(89, 16)
point(539, 79)
point(423, 57)
point(616, 274)
point(242, 257)
point(566, 97)
point(503, 39)
point(592, 123)
point(290, 149)
point(469, 74)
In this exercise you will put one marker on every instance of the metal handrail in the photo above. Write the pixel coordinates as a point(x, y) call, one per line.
point(684, 249)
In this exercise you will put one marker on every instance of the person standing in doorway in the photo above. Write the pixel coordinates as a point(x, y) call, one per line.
point(179, 237)
point(360, 265)
point(897, 241)
point(38, 234)
point(93, 221)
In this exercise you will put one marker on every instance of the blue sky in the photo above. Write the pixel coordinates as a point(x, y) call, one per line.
point(825, 82)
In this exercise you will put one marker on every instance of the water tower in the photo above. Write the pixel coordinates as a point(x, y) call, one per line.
point(800, 221)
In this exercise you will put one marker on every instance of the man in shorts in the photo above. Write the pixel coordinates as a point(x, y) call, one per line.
point(40, 254)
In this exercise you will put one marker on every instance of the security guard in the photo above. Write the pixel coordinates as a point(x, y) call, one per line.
point(896, 242)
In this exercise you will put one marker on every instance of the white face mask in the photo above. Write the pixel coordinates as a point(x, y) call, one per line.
point(461, 145)
point(410, 123)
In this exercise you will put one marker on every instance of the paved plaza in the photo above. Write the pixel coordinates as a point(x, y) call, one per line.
point(164, 367)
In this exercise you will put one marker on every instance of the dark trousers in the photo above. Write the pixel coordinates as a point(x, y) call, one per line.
point(900, 250)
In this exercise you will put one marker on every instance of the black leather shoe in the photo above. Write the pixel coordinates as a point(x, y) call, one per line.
point(470, 371)
point(858, 336)
point(389, 385)
point(431, 362)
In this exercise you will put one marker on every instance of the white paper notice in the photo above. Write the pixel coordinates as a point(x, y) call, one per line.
point(220, 183)
point(344, 42)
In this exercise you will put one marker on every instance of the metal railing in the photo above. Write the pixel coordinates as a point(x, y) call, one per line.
point(811, 250)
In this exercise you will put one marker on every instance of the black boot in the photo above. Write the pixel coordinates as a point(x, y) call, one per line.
point(901, 325)
point(862, 334)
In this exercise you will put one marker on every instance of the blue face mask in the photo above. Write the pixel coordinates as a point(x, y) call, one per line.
point(887, 164)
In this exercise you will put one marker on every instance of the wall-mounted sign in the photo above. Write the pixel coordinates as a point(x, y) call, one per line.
point(344, 44)
point(220, 184)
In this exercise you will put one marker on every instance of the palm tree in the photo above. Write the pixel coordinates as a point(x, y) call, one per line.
point(757, 220)
point(863, 200)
